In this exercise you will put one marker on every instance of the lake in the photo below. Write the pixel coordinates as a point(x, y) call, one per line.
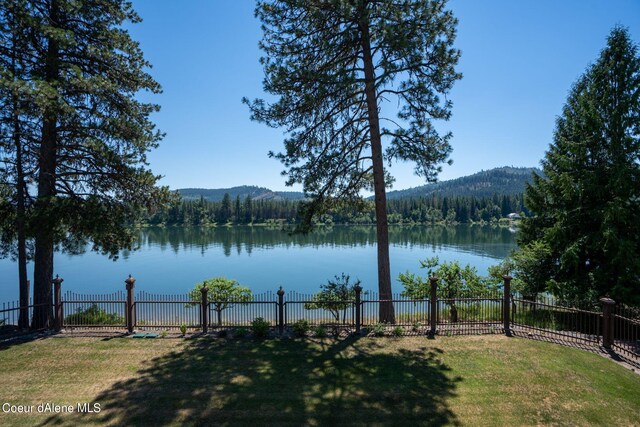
point(171, 260)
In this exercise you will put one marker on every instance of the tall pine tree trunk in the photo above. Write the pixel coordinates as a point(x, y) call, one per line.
point(21, 191)
point(386, 310)
point(23, 320)
point(44, 237)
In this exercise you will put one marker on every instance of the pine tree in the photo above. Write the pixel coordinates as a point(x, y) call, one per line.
point(586, 205)
point(224, 214)
point(17, 156)
point(94, 132)
point(332, 63)
point(248, 210)
point(237, 210)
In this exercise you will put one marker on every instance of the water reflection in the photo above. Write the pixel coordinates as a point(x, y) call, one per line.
point(490, 241)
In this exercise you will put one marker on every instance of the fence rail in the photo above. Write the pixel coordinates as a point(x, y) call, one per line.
point(626, 331)
point(616, 327)
point(567, 323)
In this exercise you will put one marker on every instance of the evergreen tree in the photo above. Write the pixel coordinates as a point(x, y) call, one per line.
point(224, 214)
point(586, 205)
point(237, 211)
point(248, 210)
point(94, 133)
point(17, 156)
point(331, 64)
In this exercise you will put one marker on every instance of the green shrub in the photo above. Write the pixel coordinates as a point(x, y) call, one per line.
point(320, 331)
point(93, 315)
point(260, 327)
point(300, 328)
point(416, 326)
point(397, 331)
point(164, 333)
point(240, 332)
point(183, 328)
point(378, 329)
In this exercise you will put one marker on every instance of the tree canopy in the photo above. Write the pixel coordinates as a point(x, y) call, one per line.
point(585, 228)
point(222, 293)
point(80, 74)
point(332, 64)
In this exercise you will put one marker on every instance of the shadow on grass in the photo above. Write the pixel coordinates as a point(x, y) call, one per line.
point(9, 340)
point(352, 380)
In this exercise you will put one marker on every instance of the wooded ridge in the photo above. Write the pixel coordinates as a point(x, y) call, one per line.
point(504, 180)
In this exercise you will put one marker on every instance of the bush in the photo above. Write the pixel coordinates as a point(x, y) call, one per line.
point(300, 328)
point(183, 328)
point(240, 332)
point(378, 329)
point(93, 315)
point(320, 331)
point(260, 327)
point(416, 326)
point(397, 331)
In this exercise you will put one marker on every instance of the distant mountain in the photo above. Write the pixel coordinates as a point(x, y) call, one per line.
point(504, 180)
point(256, 193)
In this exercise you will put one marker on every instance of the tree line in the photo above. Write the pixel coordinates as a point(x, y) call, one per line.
point(415, 210)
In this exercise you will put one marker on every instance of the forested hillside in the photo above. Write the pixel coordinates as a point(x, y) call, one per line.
point(485, 196)
point(244, 191)
point(502, 181)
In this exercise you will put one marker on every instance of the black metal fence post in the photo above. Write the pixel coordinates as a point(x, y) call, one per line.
point(433, 303)
point(358, 290)
point(607, 322)
point(506, 305)
point(57, 301)
point(130, 282)
point(281, 310)
point(23, 320)
point(204, 308)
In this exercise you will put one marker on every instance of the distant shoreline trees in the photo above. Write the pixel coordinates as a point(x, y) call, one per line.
point(413, 210)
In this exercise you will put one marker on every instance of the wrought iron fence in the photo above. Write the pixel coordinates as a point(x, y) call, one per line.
point(626, 330)
point(616, 327)
point(547, 316)
point(231, 313)
point(93, 310)
point(10, 313)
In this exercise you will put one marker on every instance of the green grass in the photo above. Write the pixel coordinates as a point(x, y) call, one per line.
point(470, 380)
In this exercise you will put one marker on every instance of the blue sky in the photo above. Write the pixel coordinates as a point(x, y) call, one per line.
point(519, 59)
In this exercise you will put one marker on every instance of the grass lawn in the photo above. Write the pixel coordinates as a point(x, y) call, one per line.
point(470, 380)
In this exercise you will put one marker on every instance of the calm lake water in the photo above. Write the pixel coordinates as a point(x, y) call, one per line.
point(171, 260)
